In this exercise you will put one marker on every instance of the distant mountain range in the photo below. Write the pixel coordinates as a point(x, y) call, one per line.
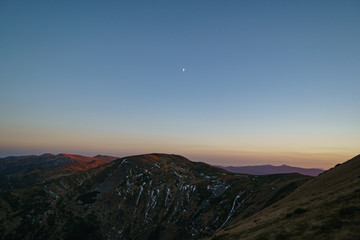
point(269, 169)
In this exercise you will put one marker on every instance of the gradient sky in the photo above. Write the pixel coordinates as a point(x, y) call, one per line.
point(264, 82)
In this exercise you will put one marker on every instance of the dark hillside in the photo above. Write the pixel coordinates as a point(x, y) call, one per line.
point(153, 196)
point(326, 207)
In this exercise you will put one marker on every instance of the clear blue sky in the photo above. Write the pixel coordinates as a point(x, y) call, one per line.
point(264, 81)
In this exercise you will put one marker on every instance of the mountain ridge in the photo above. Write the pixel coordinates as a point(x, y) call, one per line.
point(167, 196)
point(13, 164)
point(151, 196)
point(270, 169)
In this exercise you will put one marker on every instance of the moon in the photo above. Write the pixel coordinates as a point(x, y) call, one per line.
point(183, 69)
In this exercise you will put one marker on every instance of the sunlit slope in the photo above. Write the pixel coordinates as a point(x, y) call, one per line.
point(23, 171)
point(10, 165)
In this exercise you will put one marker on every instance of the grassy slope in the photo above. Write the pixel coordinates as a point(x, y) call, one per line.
point(326, 207)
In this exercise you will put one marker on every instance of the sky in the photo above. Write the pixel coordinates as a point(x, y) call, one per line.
point(224, 82)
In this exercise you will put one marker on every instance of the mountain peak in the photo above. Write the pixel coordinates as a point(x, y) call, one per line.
point(47, 155)
point(160, 158)
point(105, 157)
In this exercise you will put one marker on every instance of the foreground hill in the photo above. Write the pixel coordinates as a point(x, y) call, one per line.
point(326, 207)
point(154, 196)
point(269, 169)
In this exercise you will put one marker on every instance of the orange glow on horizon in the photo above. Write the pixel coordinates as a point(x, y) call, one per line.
point(213, 150)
